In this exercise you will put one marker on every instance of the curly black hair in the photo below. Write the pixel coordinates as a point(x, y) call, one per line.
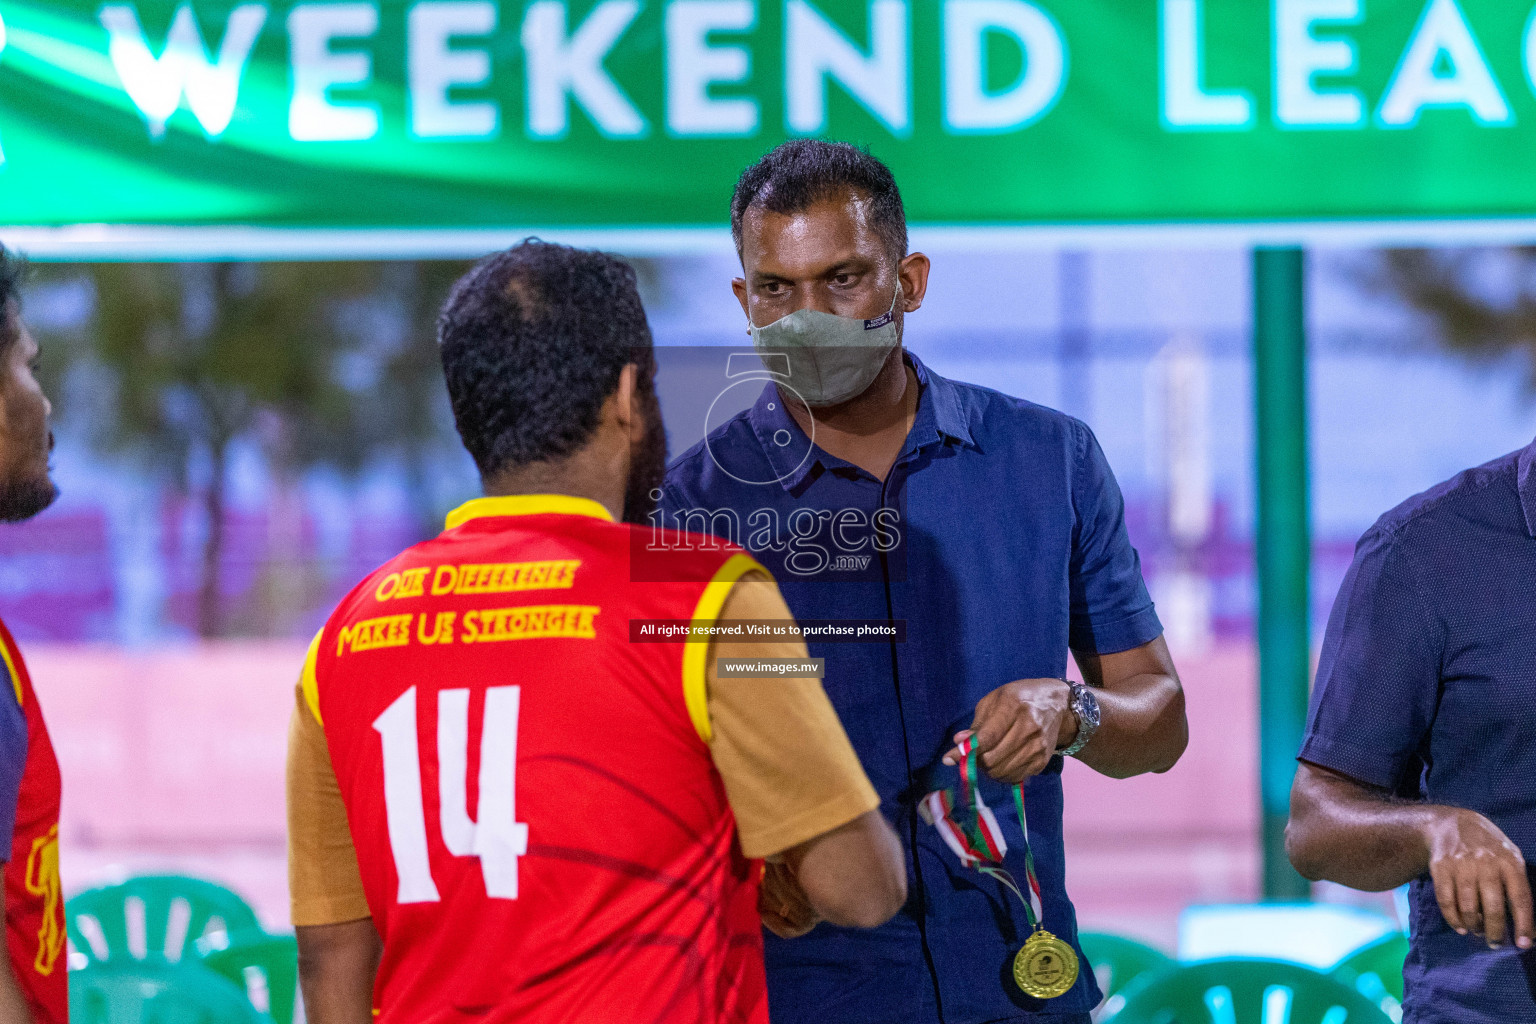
point(533, 341)
point(801, 172)
point(12, 269)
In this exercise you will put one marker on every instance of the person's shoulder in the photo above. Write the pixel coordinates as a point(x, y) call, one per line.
point(690, 464)
point(12, 664)
point(698, 469)
point(991, 414)
point(413, 557)
point(1481, 496)
point(14, 685)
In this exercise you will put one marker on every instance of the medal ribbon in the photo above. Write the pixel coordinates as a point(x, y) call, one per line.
point(979, 843)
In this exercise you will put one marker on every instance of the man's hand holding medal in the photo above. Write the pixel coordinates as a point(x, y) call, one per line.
point(1016, 731)
point(1019, 727)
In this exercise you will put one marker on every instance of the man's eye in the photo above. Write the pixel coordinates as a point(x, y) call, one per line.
point(843, 280)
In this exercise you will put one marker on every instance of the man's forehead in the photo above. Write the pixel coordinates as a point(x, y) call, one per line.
point(826, 232)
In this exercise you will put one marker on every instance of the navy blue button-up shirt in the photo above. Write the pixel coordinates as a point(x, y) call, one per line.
point(999, 538)
point(1427, 688)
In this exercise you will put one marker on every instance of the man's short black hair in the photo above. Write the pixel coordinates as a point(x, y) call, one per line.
point(533, 341)
point(12, 269)
point(797, 174)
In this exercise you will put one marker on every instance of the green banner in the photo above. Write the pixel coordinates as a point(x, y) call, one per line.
point(477, 114)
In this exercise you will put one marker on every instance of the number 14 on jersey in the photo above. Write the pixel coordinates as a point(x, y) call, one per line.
point(495, 835)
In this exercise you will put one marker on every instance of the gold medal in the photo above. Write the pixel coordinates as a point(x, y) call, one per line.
point(1046, 967)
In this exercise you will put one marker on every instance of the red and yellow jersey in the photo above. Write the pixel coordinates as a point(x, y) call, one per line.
point(29, 816)
point(541, 833)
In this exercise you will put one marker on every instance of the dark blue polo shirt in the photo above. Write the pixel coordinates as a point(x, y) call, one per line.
point(1427, 688)
point(999, 539)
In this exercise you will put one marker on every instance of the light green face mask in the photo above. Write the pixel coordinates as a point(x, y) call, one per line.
point(824, 358)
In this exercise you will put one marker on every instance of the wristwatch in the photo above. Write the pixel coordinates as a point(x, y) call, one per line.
point(1086, 707)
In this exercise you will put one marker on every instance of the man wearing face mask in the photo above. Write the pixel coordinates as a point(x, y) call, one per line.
point(989, 532)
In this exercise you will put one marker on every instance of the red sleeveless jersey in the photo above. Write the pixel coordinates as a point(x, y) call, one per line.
point(541, 831)
point(34, 901)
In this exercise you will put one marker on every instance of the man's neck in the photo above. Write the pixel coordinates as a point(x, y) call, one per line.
point(575, 476)
point(869, 430)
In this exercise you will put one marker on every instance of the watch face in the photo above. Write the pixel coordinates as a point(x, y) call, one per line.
point(1089, 705)
point(1086, 707)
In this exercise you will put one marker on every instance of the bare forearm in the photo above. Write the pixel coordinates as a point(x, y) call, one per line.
point(13, 1005)
point(1346, 832)
point(1341, 832)
point(337, 965)
point(854, 876)
point(1142, 727)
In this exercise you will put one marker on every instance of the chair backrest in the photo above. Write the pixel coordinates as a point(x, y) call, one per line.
point(1243, 991)
point(150, 994)
point(1117, 962)
point(265, 967)
point(152, 918)
point(1376, 970)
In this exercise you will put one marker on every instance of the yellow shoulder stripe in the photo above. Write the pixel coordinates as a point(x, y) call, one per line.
point(696, 652)
point(308, 682)
point(10, 666)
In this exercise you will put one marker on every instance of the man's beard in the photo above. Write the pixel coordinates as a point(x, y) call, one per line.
point(647, 462)
point(22, 499)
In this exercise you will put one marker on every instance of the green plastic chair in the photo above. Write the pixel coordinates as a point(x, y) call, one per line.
point(265, 967)
point(156, 994)
point(152, 918)
point(1117, 962)
point(1376, 971)
point(1243, 991)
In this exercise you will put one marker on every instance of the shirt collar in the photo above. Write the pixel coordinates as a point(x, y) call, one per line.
point(527, 505)
point(940, 416)
point(1526, 481)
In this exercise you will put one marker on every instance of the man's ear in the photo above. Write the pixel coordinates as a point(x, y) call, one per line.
point(626, 410)
point(739, 286)
point(914, 281)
